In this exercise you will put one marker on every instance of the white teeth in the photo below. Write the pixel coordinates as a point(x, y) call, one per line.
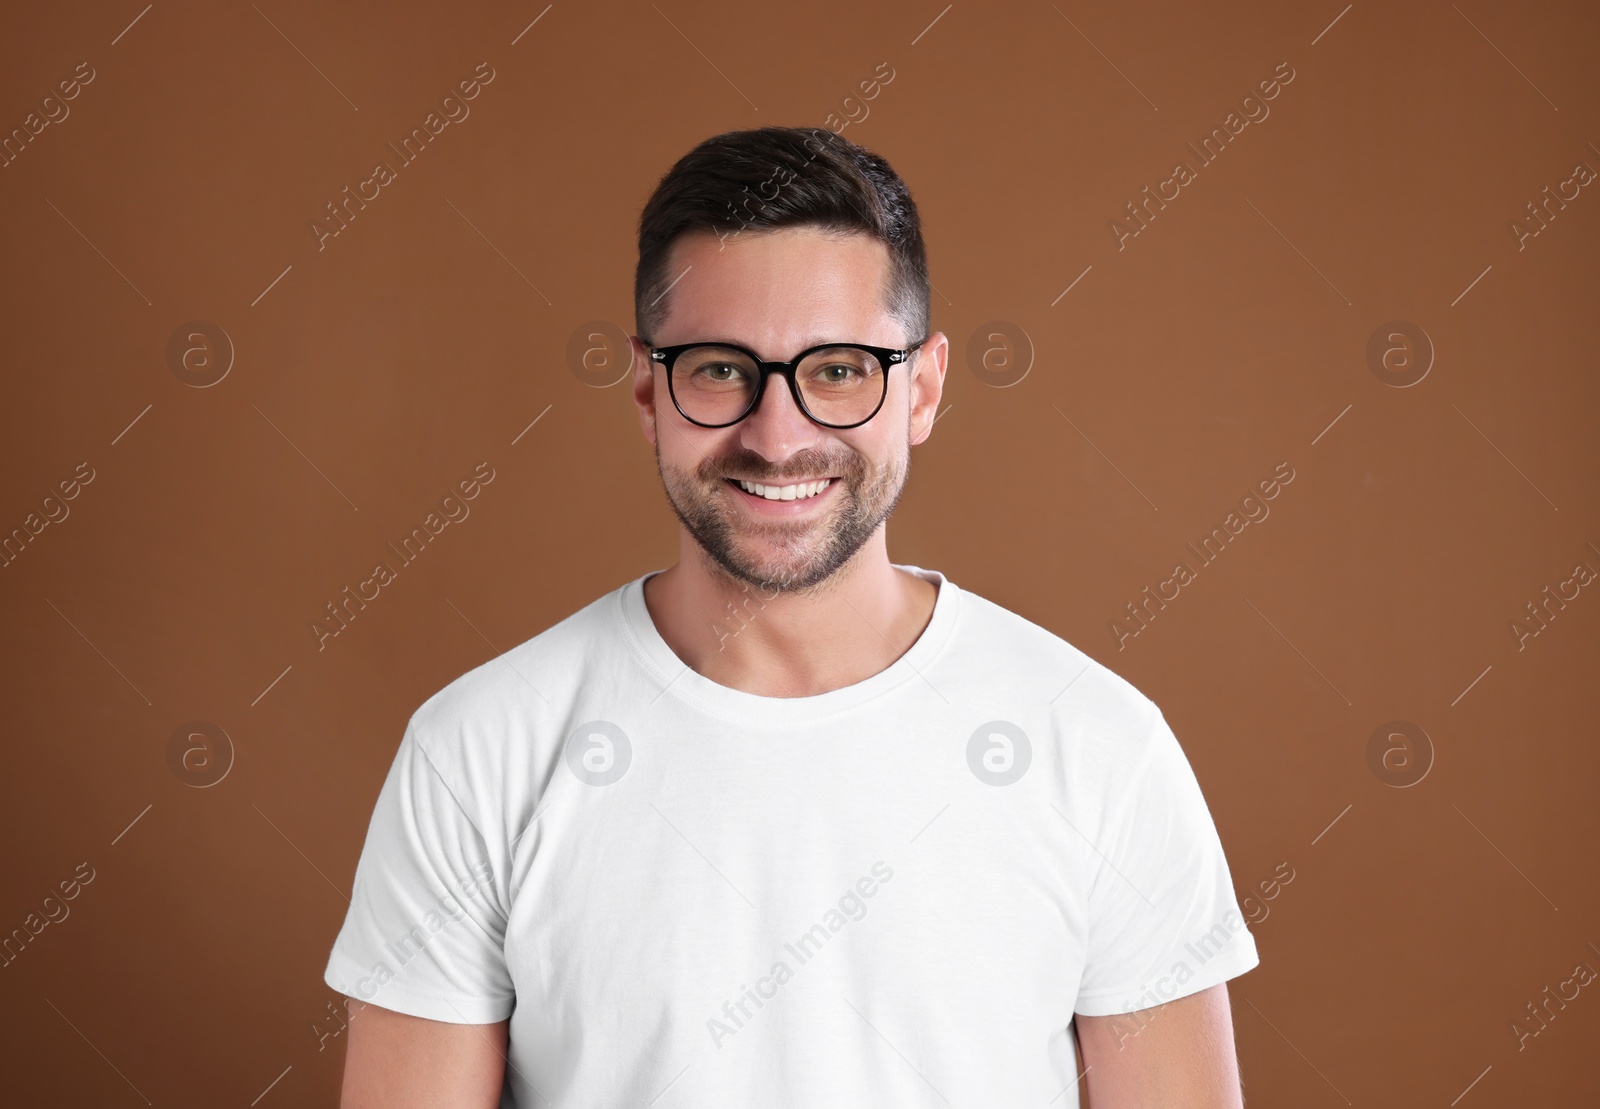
point(786, 492)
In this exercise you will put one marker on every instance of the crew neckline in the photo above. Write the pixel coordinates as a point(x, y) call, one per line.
point(677, 679)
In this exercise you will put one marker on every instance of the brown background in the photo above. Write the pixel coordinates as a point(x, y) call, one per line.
point(372, 375)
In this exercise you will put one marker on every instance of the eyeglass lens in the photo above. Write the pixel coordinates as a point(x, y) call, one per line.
point(840, 385)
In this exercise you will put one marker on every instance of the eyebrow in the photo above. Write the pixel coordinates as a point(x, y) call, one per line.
point(813, 341)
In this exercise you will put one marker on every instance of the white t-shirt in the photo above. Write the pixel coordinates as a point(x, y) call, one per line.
point(684, 895)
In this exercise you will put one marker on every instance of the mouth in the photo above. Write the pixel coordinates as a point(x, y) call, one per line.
point(790, 492)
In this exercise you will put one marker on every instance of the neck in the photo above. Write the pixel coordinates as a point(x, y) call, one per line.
point(776, 643)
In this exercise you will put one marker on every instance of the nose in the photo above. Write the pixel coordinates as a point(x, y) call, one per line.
point(777, 428)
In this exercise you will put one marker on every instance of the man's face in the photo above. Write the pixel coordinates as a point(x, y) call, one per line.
point(777, 293)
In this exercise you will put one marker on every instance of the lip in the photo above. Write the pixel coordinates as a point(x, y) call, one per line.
point(780, 508)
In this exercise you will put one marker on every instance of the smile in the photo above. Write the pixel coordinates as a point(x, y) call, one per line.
point(797, 492)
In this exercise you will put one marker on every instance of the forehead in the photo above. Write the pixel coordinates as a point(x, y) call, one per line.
point(778, 292)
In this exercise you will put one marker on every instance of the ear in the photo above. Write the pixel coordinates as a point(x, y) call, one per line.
point(644, 387)
point(926, 379)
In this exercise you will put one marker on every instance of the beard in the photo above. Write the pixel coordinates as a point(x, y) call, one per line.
point(792, 556)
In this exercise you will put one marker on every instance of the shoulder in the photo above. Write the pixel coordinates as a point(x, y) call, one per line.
point(498, 722)
point(1101, 726)
point(1010, 658)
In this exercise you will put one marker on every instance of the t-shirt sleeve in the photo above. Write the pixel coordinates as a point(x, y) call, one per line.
point(1163, 919)
point(425, 932)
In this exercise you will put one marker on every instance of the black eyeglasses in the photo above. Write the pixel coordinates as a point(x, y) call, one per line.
point(837, 385)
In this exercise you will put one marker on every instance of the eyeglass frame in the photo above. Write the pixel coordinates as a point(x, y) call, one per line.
point(888, 357)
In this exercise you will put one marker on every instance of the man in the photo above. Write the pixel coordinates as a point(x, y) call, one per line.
point(787, 823)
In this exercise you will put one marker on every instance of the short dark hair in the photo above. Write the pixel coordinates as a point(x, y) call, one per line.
point(777, 177)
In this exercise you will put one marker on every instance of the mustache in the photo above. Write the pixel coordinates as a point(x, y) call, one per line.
point(751, 466)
